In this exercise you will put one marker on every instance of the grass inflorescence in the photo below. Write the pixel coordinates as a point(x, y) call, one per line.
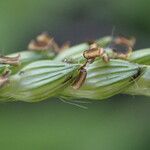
point(88, 71)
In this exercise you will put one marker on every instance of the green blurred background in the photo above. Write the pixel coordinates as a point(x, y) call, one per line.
point(118, 123)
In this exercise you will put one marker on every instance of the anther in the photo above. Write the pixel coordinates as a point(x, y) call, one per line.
point(93, 53)
point(10, 60)
point(4, 78)
point(45, 42)
point(80, 79)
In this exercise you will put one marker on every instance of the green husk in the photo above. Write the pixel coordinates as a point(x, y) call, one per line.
point(141, 56)
point(106, 79)
point(142, 86)
point(40, 80)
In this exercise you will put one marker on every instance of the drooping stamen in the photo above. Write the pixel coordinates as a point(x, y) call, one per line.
point(4, 78)
point(45, 42)
point(10, 60)
point(80, 79)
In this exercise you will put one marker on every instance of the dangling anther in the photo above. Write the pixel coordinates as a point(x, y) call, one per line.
point(10, 60)
point(95, 51)
point(128, 43)
point(42, 42)
point(124, 41)
point(80, 79)
point(45, 42)
point(4, 78)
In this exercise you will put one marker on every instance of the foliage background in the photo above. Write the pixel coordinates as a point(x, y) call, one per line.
point(121, 122)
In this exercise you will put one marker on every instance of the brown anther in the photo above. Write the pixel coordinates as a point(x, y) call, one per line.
point(90, 55)
point(122, 55)
point(44, 38)
point(45, 42)
point(124, 41)
point(80, 79)
point(93, 45)
point(42, 42)
point(10, 60)
point(4, 78)
point(33, 45)
point(93, 53)
point(129, 43)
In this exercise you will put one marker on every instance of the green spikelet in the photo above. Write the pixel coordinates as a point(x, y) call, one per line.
point(40, 80)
